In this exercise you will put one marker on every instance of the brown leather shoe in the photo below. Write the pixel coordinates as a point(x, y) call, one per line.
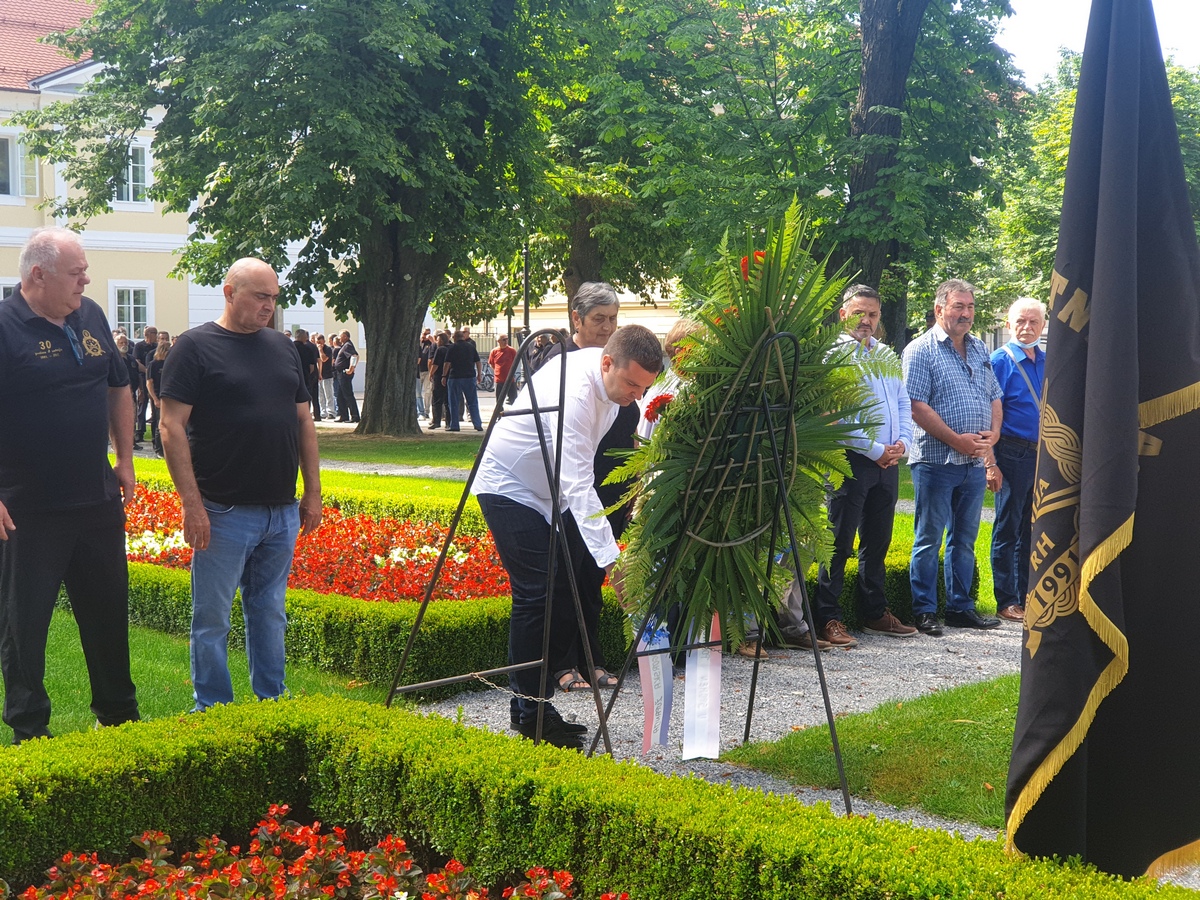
point(750, 649)
point(804, 642)
point(835, 632)
point(1014, 613)
point(888, 625)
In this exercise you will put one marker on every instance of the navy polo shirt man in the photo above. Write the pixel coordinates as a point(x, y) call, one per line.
point(1020, 367)
point(62, 515)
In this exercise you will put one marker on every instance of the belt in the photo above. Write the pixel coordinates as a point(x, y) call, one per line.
point(1018, 442)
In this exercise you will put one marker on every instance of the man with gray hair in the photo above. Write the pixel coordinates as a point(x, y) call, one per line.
point(62, 516)
point(956, 416)
point(594, 311)
point(1020, 367)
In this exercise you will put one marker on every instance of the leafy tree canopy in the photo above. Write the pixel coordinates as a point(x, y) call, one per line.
point(381, 140)
point(1013, 253)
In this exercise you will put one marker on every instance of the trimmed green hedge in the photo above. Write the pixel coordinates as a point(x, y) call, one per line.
point(364, 639)
point(495, 802)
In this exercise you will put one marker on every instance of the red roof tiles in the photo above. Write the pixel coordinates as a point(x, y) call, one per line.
point(22, 23)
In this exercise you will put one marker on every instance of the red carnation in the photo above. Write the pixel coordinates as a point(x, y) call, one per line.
point(655, 407)
point(759, 256)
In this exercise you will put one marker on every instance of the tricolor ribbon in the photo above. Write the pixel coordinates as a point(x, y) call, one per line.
point(657, 679)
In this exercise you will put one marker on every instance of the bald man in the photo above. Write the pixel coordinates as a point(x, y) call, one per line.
point(235, 428)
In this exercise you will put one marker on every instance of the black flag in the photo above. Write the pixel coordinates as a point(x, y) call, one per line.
point(1106, 755)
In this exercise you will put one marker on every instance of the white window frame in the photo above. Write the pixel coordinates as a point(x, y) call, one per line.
point(129, 284)
point(5, 284)
point(145, 204)
point(24, 184)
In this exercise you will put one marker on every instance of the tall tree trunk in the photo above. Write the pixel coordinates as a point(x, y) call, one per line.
point(585, 261)
point(890, 29)
point(396, 293)
point(895, 307)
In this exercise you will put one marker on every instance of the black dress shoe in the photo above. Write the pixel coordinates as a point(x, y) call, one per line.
point(568, 727)
point(927, 623)
point(968, 618)
point(554, 733)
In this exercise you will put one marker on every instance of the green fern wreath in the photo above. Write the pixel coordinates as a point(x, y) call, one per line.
point(706, 487)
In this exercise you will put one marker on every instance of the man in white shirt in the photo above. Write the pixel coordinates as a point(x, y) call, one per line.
point(865, 503)
point(515, 497)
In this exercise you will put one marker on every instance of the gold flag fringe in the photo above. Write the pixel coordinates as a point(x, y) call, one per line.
point(1098, 560)
point(1169, 406)
point(1174, 860)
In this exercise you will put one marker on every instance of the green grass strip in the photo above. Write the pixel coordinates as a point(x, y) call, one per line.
point(456, 451)
point(946, 753)
point(161, 672)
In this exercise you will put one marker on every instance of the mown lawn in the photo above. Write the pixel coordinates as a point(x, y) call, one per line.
point(161, 673)
point(946, 753)
point(455, 451)
point(332, 479)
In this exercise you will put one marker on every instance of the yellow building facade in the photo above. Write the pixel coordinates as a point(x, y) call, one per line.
point(133, 248)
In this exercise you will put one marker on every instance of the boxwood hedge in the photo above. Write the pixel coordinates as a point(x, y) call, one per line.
point(493, 801)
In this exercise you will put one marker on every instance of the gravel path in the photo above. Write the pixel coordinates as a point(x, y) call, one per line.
point(788, 695)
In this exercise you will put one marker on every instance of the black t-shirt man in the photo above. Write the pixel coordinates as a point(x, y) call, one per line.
point(310, 360)
point(143, 352)
point(243, 430)
point(439, 359)
point(345, 359)
point(462, 357)
point(49, 378)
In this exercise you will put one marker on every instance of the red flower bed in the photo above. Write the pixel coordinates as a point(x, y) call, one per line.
point(285, 861)
point(372, 559)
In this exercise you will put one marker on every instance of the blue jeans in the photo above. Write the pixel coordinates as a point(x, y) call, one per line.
point(948, 501)
point(250, 547)
point(462, 393)
point(1014, 519)
point(420, 397)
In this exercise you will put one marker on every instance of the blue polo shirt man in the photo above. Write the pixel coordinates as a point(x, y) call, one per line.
point(1020, 367)
point(957, 415)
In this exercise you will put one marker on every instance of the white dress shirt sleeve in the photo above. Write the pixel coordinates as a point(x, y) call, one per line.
point(586, 418)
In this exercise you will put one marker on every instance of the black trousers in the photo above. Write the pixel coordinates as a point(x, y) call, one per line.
point(523, 541)
point(441, 406)
point(864, 505)
point(155, 440)
point(591, 590)
point(314, 394)
point(343, 387)
point(85, 550)
point(144, 407)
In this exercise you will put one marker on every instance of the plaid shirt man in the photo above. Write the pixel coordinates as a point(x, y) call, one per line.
point(960, 391)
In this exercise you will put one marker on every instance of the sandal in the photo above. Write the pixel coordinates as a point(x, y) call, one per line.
point(570, 680)
point(605, 678)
